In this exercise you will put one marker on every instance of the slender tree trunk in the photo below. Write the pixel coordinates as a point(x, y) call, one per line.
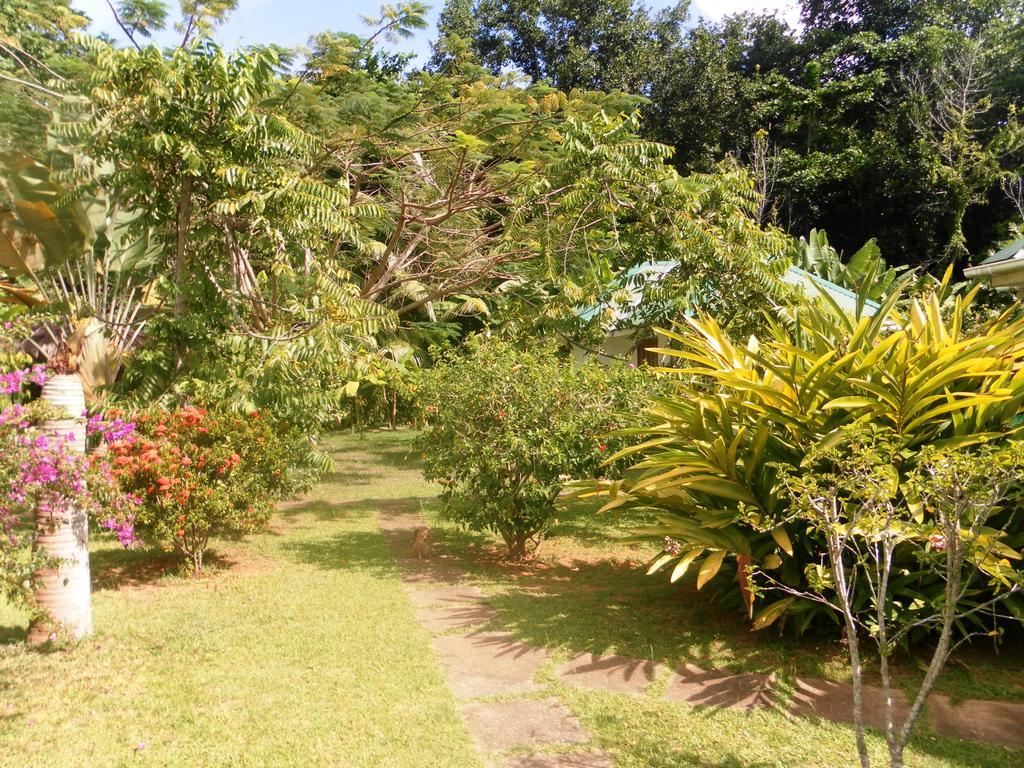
point(853, 644)
point(183, 229)
point(954, 574)
point(64, 595)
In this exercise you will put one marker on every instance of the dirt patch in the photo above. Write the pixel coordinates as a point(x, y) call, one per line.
point(143, 571)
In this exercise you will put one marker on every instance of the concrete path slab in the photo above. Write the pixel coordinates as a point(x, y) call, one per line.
point(489, 663)
point(444, 595)
point(998, 722)
point(572, 760)
point(619, 674)
point(452, 617)
point(699, 687)
point(522, 723)
point(834, 701)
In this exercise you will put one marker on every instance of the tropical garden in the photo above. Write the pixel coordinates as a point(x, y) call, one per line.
point(268, 313)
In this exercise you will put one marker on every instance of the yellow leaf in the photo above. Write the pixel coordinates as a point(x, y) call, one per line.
point(782, 539)
point(771, 562)
point(684, 564)
point(772, 613)
point(710, 567)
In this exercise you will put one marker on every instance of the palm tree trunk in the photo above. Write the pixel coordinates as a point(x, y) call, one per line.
point(64, 592)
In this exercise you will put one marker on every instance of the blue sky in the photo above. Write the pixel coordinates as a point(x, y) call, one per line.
point(292, 22)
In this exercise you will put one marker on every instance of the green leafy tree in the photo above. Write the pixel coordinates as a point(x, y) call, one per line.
point(522, 199)
point(595, 44)
point(39, 66)
point(508, 427)
point(835, 101)
point(870, 519)
point(256, 316)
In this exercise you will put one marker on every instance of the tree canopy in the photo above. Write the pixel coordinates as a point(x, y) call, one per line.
point(893, 119)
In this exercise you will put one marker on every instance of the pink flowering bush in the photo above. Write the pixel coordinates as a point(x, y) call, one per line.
point(41, 475)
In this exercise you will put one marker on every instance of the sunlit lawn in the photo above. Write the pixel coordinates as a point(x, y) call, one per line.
point(303, 650)
point(304, 653)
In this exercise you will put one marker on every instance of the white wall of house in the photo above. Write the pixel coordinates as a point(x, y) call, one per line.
point(621, 346)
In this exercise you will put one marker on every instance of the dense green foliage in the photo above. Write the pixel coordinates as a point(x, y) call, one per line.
point(893, 119)
point(508, 427)
point(300, 228)
point(713, 452)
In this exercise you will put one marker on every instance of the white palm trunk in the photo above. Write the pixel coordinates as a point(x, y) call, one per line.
point(64, 592)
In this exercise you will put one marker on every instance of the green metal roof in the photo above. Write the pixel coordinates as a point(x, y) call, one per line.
point(1014, 250)
point(653, 271)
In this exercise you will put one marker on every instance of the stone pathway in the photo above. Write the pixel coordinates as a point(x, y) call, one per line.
point(493, 676)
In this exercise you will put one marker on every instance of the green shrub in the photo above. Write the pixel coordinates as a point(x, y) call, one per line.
point(714, 451)
point(508, 427)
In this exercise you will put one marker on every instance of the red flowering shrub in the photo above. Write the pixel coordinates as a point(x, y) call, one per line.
point(201, 474)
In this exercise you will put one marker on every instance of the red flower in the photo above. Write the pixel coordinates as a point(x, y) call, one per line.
point(180, 534)
point(602, 447)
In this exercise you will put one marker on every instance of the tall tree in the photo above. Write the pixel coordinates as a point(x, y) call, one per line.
point(833, 101)
point(37, 59)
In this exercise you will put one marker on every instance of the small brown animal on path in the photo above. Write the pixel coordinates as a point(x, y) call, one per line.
point(422, 541)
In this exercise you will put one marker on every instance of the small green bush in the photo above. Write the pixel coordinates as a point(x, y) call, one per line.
point(509, 427)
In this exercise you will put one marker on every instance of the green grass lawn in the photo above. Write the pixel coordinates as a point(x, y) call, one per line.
point(305, 652)
point(301, 649)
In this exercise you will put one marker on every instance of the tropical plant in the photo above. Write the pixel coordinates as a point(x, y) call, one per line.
point(508, 427)
point(86, 266)
point(711, 453)
point(870, 522)
point(866, 269)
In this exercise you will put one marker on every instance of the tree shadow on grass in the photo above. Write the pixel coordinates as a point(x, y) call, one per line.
point(116, 568)
point(382, 447)
point(348, 474)
point(580, 520)
point(605, 605)
point(13, 634)
point(326, 511)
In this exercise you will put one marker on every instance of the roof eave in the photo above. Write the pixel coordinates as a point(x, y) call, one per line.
point(996, 268)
